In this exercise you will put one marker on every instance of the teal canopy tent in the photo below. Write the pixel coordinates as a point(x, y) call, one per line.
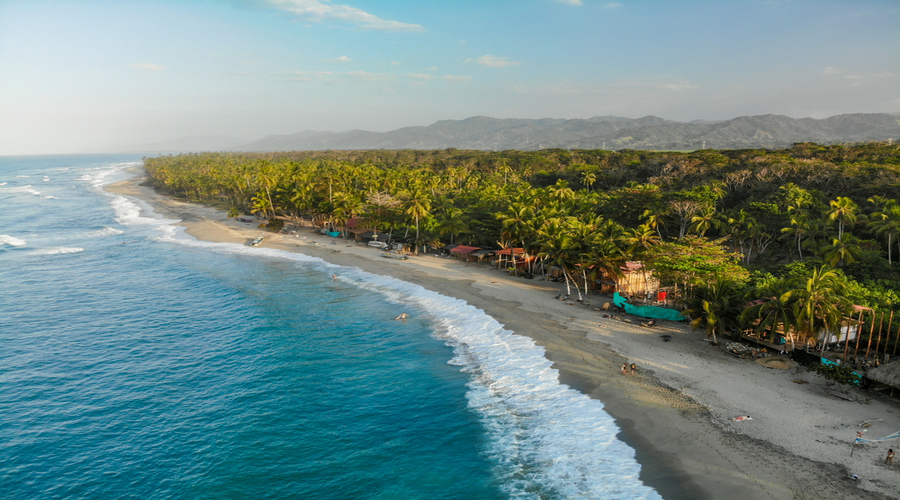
point(647, 311)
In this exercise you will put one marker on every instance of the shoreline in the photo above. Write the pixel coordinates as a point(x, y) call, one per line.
point(675, 412)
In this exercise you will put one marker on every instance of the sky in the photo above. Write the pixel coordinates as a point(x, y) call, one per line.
point(80, 75)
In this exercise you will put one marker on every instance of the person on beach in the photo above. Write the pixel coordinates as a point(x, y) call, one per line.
point(625, 369)
point(890, 457)
point(633, 368)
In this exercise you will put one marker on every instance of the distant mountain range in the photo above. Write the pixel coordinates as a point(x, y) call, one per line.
point(602, 132)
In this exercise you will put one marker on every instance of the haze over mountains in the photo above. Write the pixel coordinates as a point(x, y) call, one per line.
point(602, 132)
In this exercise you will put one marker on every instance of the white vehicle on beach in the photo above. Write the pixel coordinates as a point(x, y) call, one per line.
point(378, 244)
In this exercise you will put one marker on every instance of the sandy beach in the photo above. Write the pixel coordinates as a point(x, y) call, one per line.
point(676, 411)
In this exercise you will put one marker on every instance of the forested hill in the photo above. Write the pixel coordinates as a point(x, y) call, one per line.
point(604, 132)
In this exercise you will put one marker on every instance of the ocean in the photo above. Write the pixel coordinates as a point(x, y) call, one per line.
point(138, 362)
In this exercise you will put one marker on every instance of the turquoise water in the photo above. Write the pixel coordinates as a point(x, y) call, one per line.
point(137, 362)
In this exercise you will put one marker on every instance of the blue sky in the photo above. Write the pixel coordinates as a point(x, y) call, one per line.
point(79, 75)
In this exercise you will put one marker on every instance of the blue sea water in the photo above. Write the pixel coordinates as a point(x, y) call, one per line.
point(138, 362)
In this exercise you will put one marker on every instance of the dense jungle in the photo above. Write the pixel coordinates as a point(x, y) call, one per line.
point(782, 242)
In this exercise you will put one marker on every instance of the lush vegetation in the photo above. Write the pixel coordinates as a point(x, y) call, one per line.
point(810, 230)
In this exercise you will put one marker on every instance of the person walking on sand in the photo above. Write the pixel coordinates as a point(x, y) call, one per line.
point(625, 369)
point(890, 457)
point(633, 368)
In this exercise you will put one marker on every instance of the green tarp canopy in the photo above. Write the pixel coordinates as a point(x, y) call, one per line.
point(647, 311)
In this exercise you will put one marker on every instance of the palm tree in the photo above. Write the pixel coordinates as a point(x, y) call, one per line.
point(714, 307)
point(821, 302)
point(515, 222)
point(778, 308)
point(641, 239)
point(842, 251)
point(452, 221)
point(886, 221)
point(268, 176)
point(800, 226)
point(843, 211)
point(561, 192)
point(705, 220)
point(417, 205)
point(558, 247)
point(653, 221)
point(588, 179)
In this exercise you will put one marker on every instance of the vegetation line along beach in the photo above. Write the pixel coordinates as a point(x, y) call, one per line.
point(766, 253)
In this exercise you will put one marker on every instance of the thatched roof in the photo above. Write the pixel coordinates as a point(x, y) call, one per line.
point(888, 374)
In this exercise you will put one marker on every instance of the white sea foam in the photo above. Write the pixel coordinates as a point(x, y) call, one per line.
point(21, 189)
point(2, 183)
point(106, 231)
point(56, 250)
point(547, 439)
point(11, 241)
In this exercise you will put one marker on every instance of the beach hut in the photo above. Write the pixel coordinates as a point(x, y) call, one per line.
point(508, 255)
point(635, 280)
point(888, 375)
point(463, 252)
point(481, 254)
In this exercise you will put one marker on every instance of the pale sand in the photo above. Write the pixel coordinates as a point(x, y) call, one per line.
point(676, 412)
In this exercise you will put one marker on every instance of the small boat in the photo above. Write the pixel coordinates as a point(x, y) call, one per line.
point(256, 241)
point(398, 256)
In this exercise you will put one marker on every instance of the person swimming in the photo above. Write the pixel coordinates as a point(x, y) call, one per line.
point(402, 316)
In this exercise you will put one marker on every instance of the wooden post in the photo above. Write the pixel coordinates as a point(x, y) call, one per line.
point(896, 339)
point(871, 332)
point(878, 342)
point(847, 343)
point(858, 332)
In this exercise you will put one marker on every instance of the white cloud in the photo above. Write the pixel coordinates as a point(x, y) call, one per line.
point(456, 78)
point(153, 67)
point(569, 2)
point(317, 11)
point(420, 76)
point(612, 5)
point(496, 62)
point(656, 83)
point(307, 76)
point(341, 59)
point(369, 77)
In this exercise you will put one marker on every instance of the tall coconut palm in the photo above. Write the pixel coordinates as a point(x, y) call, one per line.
point(641, 239)
point(588, 179)
point(714, 306)
point(799, 228)
point(842, 251)
point(417, 205)
point(705, 220)
point(844, 212)
point(515, 222)
point(558, 247)
point(452, 221)
point(886, 221)
point(821, 302)
point(777, 308)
